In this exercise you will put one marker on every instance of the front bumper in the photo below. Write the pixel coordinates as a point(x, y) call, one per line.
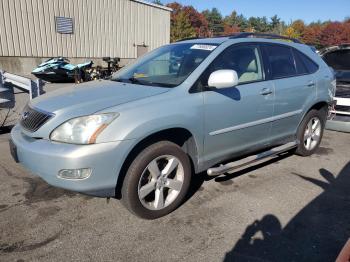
point(46, 158)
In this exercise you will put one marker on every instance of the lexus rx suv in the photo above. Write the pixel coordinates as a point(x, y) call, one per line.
point(179, 110)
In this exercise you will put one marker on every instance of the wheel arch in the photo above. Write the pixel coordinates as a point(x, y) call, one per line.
point(180, 136)
point(318, 106)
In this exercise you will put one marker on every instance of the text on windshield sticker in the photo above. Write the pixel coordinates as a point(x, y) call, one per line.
point(203, 47)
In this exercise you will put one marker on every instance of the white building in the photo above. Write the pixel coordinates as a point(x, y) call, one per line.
point(34, 30)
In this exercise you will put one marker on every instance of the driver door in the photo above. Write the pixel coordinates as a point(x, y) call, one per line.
point(237, 118)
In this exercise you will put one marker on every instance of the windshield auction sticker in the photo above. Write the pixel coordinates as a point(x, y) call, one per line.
point(204, 47)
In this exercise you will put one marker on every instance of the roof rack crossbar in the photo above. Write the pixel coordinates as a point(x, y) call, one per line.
point(262, 35)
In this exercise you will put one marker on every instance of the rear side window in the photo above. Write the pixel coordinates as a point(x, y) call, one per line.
point(304, 63)
point(300, 64)
point(281, 61)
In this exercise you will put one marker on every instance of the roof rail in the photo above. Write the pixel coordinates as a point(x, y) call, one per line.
point(247, 35)
point(188, 38)
point(262, 35)
point(194, 38)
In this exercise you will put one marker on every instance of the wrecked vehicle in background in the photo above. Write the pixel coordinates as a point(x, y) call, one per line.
point(59, 70)
point(338, 57)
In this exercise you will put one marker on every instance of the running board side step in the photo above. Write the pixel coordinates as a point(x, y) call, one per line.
point(215, 171)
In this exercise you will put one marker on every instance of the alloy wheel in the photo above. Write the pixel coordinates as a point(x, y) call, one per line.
point(161, 182)
point(312, 134)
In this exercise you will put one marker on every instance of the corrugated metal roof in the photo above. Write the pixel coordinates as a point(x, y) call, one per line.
point(154, 5)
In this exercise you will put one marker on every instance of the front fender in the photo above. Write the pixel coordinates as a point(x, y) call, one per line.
point(141, 119)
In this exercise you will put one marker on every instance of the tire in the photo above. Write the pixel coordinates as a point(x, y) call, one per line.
point(309, 142)
point(153, 173)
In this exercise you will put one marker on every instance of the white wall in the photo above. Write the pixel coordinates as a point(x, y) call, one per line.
point(101, 28)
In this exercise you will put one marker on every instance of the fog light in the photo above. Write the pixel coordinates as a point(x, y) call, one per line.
point(81, 173)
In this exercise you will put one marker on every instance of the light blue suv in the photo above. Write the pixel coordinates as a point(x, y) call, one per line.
point(181, 109)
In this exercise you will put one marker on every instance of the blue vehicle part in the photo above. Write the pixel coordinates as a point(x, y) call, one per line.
point(59, 70)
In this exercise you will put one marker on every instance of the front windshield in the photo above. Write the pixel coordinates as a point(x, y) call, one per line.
point(167, 66)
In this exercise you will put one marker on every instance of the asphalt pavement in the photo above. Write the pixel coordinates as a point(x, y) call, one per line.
point(286, 209)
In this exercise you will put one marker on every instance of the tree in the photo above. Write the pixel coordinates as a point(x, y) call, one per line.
point(258, 24)
point(295, 30)
point(299, 27)
point(176, 9)
point(236, 21)
point(157, 2)
point(197, 21)
point(215, 22)
point(276, 26)
point(275, 21)
point(334, 34)
point(312, 34)
point(229, 29)
point(186, 21)
point(181, 28)
point(291, 33)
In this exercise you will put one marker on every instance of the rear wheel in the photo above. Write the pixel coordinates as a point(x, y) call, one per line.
point(310, 132)
point(157, 180)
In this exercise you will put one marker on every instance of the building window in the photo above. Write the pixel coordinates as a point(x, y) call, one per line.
point(64, 25)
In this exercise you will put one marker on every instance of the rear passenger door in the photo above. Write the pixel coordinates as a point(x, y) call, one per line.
point(294, 84)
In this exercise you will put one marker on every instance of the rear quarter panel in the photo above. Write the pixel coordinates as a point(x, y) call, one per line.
point(324, 77)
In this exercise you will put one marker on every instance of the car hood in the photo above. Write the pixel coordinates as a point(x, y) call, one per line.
point(93, 96)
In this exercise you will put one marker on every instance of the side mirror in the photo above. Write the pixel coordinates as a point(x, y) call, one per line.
point(223, 79)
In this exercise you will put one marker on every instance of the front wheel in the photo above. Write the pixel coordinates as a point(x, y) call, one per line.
point(310, 132)
point(157, 180)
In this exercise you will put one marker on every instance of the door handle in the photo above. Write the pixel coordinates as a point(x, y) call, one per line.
point(265, 91)
point(311, 84)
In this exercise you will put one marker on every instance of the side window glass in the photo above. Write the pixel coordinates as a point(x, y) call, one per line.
point(301, 67)
point(312, 67)
point(245, 60)
point(249, 67)
point(281, 61)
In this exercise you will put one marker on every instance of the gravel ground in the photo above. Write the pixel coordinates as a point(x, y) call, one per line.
point(286, 209)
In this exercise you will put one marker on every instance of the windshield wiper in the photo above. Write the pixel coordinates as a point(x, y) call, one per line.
point(161, 84)
point(129, 80)
point(135, 80)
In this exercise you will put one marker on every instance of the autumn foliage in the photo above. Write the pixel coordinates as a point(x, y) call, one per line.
point(187, 22)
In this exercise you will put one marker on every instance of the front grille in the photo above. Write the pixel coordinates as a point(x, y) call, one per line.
point(33, 119)
point(342, 108)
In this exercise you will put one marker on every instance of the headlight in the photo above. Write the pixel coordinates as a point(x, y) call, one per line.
point(82, 130)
